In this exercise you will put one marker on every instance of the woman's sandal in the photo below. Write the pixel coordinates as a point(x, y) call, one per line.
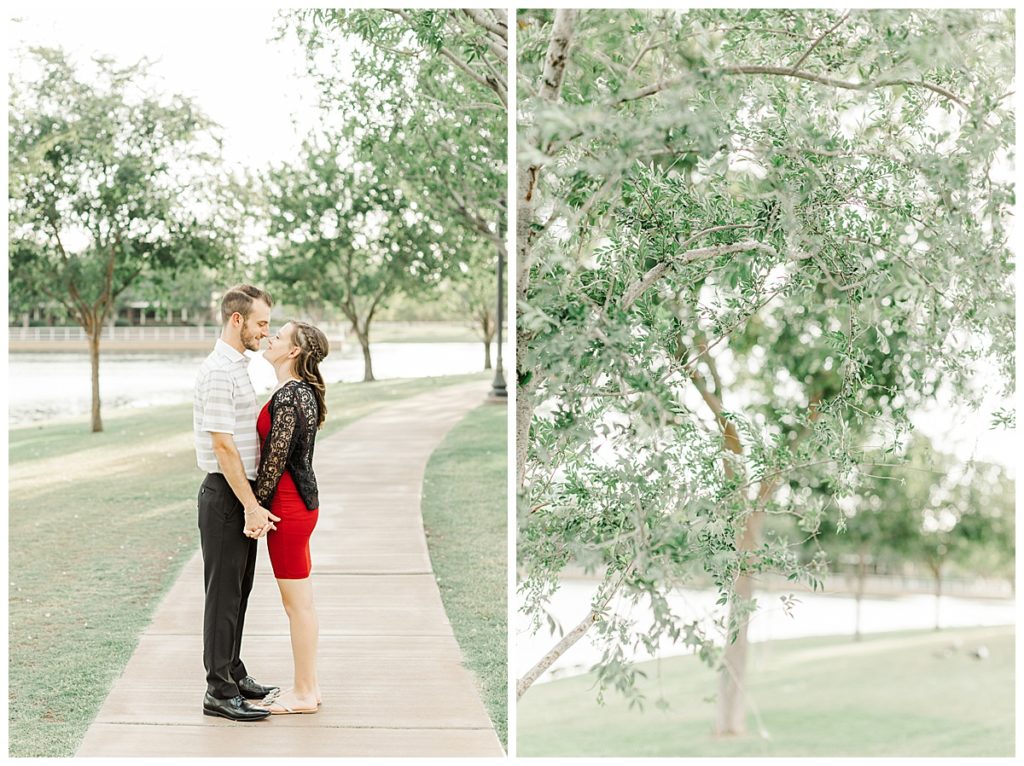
point(285, 710)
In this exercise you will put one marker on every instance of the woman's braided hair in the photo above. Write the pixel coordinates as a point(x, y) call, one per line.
point(313, 347)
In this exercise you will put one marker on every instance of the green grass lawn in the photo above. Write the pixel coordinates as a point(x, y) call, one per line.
point(464, 512)
point(99, 527)
point(891, 694)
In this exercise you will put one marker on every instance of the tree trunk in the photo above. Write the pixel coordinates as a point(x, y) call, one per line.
point(364, 344)
point(732, 708)
point(94, 359)
point(525, 379)
point(937, 573)
point(487, 333)
point(859, 596)
point(732, 695)
point(526, 183)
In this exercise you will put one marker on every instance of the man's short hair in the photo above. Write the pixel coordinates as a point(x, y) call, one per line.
point(239, 299)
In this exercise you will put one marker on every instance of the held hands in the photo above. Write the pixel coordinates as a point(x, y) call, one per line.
point(259, 521)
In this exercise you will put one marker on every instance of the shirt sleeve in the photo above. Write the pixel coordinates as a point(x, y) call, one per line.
point(278, 446)
point(219, 404)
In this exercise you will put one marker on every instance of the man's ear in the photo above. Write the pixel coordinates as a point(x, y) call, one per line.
point(237, 320)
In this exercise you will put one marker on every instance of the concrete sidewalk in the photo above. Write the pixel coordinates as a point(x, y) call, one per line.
point(391, 671)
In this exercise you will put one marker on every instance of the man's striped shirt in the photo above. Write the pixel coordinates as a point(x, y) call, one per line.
point(225, 402)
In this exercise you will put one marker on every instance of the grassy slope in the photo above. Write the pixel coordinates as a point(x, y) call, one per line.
point(890, 694)
point(464, 502)
point(100, 526)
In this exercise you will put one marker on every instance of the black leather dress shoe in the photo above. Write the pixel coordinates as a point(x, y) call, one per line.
point(254, 691)
point(236, 709)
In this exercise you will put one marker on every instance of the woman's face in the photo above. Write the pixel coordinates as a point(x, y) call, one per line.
point(280, 346)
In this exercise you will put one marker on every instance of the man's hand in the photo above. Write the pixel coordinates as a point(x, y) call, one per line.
point(259, 521)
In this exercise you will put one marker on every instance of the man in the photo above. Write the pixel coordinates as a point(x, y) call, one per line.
point(230, 518)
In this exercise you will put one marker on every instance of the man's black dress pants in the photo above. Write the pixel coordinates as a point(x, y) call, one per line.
point(229, 564)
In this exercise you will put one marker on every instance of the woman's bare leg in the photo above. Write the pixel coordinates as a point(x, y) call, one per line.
point(297, 597)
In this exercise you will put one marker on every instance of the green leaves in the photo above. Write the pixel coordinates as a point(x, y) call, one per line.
point(96, 183)
point(755, 376)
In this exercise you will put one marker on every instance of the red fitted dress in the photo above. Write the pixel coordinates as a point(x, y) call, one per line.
point(288, 545)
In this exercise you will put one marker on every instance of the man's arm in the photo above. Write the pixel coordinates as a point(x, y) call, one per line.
point(258, 520)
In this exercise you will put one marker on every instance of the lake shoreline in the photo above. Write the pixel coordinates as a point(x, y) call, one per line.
point(46, 387)
point(814, 614)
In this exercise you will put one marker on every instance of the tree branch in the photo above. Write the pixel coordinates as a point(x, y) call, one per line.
point(373, 305)
point(570, 638)
point(815, 44)
point(639, 57)
point(494, 27)
point(727, 427)
point(714, 229)
point(490, 85)
point(495, 44)
point(586, 207)
point(671, 82)
point(81, 307)
point(498, 77)
point(742, 320)
point(784, 72)
point(479, 223)
point(638, 288)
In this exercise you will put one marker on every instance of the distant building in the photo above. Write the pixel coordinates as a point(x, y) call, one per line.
point(127, 314)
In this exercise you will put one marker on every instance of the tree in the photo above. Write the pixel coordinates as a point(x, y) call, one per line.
point(731, 292)
point(989, 532)
point(109, 182)
point(426, 104)
point(963, 510)
point(932, 510)
point(344, 236)
point(470, 290)
point(476, 296)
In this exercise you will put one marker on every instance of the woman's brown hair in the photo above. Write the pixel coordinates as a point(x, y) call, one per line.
point(313, 347)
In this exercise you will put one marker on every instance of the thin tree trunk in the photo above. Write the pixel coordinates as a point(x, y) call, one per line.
point(732, 694)
point(731, 718)
point(526, 379)
point(364, 344)
point(732, 709)
point(937, 573)
point(859, 596)
point(487, 330)
point(93, 335)
point(526, 185)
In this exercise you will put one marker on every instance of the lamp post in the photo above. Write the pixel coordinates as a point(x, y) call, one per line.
point(498, 388)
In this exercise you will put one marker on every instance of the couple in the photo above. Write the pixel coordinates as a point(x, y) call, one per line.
point(259, 483)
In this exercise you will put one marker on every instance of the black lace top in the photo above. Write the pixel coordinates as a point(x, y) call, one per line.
point(289, 444)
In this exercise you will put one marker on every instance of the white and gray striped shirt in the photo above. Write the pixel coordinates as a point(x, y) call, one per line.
point(225, 402)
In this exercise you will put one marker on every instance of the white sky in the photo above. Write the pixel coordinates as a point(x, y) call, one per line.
point(223, 58)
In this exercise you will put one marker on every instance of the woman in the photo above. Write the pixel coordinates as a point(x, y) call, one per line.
point(285, 485)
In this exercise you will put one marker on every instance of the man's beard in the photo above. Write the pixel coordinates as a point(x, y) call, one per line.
point(251, 342)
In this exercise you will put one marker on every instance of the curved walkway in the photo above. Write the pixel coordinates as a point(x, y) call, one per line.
point(391, 671)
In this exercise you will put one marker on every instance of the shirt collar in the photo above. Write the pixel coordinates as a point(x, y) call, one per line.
point(226, 350)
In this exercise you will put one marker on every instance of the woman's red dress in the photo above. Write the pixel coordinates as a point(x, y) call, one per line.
point(289, 543)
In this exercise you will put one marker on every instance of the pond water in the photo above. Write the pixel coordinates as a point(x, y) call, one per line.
point(813, 615)
point(43, 386)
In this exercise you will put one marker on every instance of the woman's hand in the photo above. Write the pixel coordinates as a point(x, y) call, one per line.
point(259, 521)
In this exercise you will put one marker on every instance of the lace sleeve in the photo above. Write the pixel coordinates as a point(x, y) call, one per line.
point(276, 448)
